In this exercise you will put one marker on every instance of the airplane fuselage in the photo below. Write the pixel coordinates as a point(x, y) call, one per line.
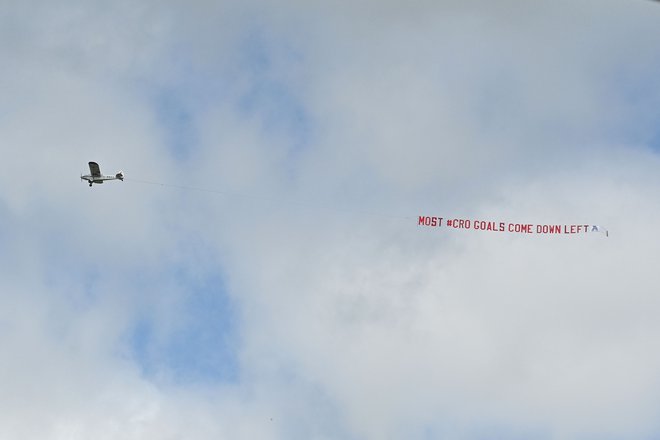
point(99, 179)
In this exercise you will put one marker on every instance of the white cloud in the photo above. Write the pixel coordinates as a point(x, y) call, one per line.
point(324, 124)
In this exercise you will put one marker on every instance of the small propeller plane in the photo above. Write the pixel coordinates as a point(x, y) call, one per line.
point(95, 175)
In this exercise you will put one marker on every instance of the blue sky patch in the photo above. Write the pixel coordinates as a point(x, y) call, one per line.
point(177, 119)
point(201, 347)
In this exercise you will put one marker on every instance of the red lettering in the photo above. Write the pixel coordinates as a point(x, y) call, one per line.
point(429, 221)
point(521, 228)
point(480, 225)
point(459, 223)
point(548, 229)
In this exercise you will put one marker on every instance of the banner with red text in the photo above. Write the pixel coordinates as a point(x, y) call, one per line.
point(511, 227)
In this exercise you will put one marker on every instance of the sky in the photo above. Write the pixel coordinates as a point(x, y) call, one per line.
point(260, 273)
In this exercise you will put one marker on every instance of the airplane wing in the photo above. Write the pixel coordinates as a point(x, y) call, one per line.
point(94, 169)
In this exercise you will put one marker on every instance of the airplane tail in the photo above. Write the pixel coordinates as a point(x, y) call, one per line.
point(120, 175)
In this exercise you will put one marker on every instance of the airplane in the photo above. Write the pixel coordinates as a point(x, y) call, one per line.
point(95, 175)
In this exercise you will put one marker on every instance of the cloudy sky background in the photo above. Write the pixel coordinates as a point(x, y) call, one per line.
point(298, 299)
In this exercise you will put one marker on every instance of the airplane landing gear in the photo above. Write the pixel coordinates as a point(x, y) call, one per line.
point(90, 184)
